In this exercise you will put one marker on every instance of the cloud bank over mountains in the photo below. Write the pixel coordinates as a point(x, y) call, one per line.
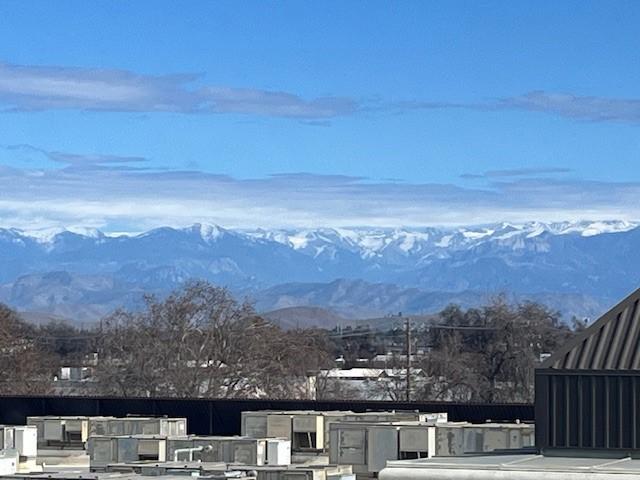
point(124, 193)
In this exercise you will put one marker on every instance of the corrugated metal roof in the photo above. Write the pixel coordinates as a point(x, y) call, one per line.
point(611, 343)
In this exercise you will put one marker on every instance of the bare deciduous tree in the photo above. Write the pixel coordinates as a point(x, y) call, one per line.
point(200, 341)
point(25, 368)
point(489, 353)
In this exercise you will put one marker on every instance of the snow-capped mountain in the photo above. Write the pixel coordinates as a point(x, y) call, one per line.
point(50, 269)
point(406, 245)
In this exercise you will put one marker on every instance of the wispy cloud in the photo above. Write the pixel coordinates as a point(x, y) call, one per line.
point(86, 161)
point(36, 88)
point(598, 109)
point(26, 87)
point(517, 172)
point(589, 108)
point(120, 199)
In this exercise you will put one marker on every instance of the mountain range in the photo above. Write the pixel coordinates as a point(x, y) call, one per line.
point(579, 268)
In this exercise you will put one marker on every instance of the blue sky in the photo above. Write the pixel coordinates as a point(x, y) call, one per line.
point(130, 115)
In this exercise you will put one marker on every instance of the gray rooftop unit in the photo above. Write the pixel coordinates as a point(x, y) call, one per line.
point(368, 446)
point(309, 429)
point(67, 431)
point(74, 431)
point(261, 472)
point(588, 392)
point(106, 449)
point(22, 438)
point(103, 450)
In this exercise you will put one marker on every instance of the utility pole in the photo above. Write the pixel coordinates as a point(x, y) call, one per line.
point(408, 340)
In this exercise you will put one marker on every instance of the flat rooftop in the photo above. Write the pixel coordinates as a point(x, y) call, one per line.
point(511, 466)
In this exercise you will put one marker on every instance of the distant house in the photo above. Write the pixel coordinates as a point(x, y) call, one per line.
point(367, 383)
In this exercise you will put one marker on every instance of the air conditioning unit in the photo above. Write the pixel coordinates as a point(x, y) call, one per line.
point(8, 462)
point(22, 438)
point(279, 425)
point(414, 442)
point(308, 432)
point(382, 445)
point(99, 425)
point(348, 446)
point(368, 446)
point(248, 451)
point(101, 450)
point(254, 424)
point(463, 439)
point(278, 451)
point(141, 426)
point(122, 449)
point(61, 431)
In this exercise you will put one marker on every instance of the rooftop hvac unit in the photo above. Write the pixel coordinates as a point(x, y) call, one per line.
point(308, 432)
point(225, 470)
point(8, 462)
point(248, 451)
point(327, 472)
point(382, 445)
point(456, 440)
point(278, 451)
point(105, 450)
point(414, 442)
point(99, 425)
point(253, 424)
point(279, 425)
point(140, 426)
point(173, 426)
point(243, 450)
point(67, 431)
point(6, 438)
point(203, 448)
point(331, 418)
point(101, 451)
point(368, 446)
point(25, 440)
point(348, 446)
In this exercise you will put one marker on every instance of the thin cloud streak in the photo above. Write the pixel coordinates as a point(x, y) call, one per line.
point(81, 160)
point(36, 88)
point(575, 107)
point(517, 172)
point(597, 109)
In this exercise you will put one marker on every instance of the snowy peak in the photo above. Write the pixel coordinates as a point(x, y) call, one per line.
point(365, 241)
point(372, 243)
point(575, 258)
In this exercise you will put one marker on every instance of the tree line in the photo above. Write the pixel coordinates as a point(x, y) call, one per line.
point(200, 341)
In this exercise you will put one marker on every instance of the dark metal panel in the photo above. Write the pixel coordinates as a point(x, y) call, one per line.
point(586, 351)
point(603, 346)
point(631, 343)
point(588, 411)
point(611, 343)
point(542, 409)
point(616, 344)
